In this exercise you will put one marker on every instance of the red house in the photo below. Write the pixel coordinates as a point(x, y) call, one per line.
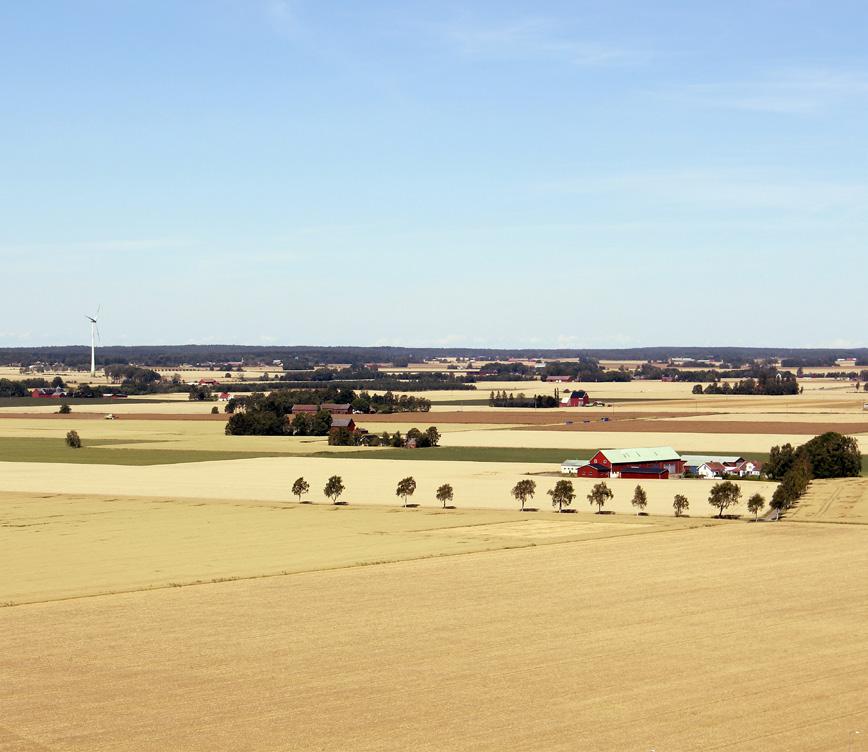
point(630, 460)
point(559, 378)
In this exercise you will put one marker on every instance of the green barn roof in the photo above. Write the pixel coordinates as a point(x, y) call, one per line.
point(645, 454)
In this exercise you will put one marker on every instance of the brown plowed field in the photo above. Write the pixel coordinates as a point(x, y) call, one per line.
point(715, 426)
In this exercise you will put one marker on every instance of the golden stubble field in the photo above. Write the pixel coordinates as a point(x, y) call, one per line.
point(748, 637)
point(57, 546)
point(479, 485)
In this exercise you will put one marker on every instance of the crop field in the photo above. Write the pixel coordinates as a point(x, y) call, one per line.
point(110, 544)
point(482, 631)
point(481, 485)
point(165, 554)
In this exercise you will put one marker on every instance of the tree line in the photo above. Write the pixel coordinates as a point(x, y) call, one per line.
point(502, 398)
point(829, 455)
point(722, 496)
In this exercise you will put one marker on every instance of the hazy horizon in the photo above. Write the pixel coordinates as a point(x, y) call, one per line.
point(512, 174)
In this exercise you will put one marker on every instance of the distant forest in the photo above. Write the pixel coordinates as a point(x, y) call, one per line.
point(307, 357)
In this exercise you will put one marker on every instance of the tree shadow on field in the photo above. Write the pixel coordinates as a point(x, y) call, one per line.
point(411, 506)
point(530, 509)
point(607, 511)
point(341, 503)
point(567, 511)
point(450, 506)
point(305, 502)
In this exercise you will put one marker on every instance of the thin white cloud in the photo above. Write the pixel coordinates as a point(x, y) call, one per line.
point(528, 38)
point(793, 91)
point(726, 189)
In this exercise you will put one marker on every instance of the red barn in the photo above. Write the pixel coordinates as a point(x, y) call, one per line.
point(592, 470)
point(337, 409)
point(620, 460)
point(576, 398)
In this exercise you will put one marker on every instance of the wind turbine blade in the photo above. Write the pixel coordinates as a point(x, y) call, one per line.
point(98, 335)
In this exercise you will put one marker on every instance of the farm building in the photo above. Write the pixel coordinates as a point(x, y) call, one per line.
point(593, 470)
point(337, 409)
point(331, 407)
point(616, 461)
point(584, 469)
point(742, 469)
point(47, 392)
point(575, 398)
point(559, 379)
point(208, 382)
point(571, 467)
point(643, 473)
point(343, 421)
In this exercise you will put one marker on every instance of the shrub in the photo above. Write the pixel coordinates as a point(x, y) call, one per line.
point(73, 440)
point(65, 409)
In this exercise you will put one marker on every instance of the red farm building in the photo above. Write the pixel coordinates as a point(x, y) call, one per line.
point(576, 398)
point(592, 470)
point(630, 463)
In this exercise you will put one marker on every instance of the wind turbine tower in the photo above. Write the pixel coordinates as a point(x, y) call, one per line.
point(93, 333)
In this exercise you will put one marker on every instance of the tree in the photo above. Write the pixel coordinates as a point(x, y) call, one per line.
point(640, 499)
point(524, 490)
point(599, 495)
point(73, 440)
point(300, 488)
point(724, 495)
point(562, 494)
point(833, 455)
point(697, 388)
point(334, 487)
point(215, 410)
point(781, 459)
point(755, 504)
point(444, 494)
point(406, 488)
point(64, 409)
point(679, 504)
point(433, 435)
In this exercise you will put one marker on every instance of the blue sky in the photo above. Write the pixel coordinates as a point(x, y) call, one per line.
point(565, 174)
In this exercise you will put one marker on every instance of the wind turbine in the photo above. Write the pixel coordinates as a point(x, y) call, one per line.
point(94, 332)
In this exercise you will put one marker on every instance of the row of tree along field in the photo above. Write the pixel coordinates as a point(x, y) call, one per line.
point(723, 495)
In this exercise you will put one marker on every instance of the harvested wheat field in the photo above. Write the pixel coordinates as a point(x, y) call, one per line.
point(838, 500)
point(479, 485)
point(749, 637)
point(110, 544)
